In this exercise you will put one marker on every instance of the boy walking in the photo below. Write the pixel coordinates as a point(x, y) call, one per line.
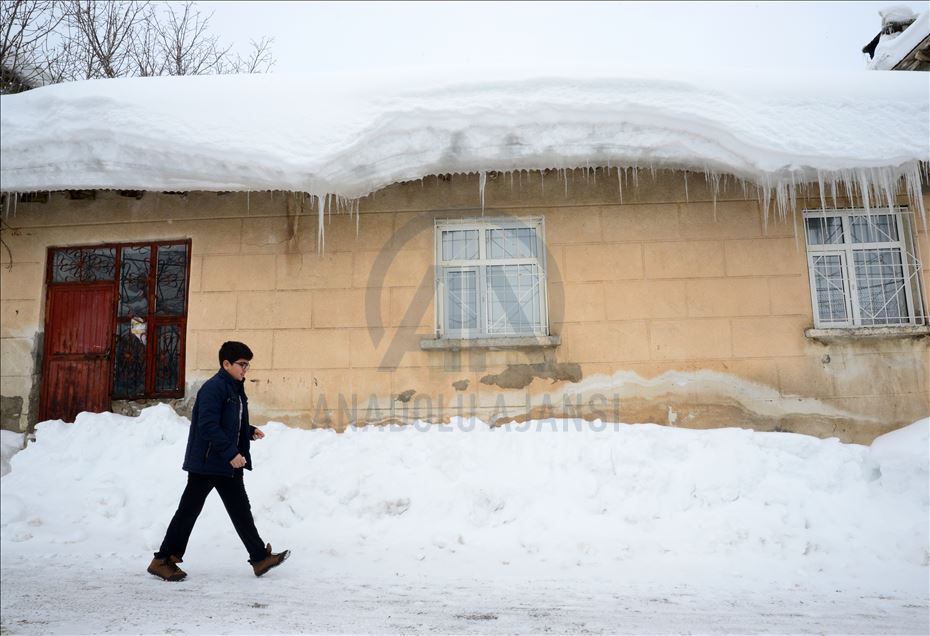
point(217, 452)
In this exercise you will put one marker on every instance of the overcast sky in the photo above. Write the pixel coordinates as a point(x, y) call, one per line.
point(366, 36)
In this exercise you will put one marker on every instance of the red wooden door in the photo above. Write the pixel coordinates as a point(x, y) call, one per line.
point(78, 335)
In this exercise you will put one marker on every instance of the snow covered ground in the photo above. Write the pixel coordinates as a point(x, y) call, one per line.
point(554, 525)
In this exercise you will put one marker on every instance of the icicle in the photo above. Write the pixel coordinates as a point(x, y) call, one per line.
point(565, 180)
point(620, 184)
point(864, 192)
point(482, 181)
point(781, 198)
point(765, 196)
point(892, 183)
point(685, 172)
point(850, 191)
point(886, 188)
point(357, 216)
point(715, 190)
point(248, 201)
point(914, 194)
point(298, 204)
point(321, 212)
point(821, 186)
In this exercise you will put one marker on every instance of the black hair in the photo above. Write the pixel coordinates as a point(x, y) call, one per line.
point(233, 351)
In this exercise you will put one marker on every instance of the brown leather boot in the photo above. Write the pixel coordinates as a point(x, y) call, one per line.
point(167, 569)
point(271, 560)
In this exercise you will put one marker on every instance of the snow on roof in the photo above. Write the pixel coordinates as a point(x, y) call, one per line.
point(348, 135)
point(896, 14)
point(894, 47)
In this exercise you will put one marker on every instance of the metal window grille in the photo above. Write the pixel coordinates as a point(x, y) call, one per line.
point(490, 278)
point(864, 268)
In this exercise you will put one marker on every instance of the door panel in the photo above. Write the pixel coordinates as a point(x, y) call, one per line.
point(78, 335)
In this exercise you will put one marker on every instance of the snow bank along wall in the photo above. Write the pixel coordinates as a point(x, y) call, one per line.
point(669, 307)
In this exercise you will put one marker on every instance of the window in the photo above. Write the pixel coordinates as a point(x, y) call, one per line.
point(863, 268)
point(151, 319)
point(490, 278)
point(150, 283)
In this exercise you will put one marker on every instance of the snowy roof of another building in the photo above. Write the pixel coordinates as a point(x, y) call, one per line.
point(897, 14)
point(894, 47)
point(351, 135)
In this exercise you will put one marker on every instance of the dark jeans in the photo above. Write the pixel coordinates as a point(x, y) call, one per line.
point(232, 492)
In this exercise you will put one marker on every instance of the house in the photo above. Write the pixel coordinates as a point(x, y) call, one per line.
point(691, 252)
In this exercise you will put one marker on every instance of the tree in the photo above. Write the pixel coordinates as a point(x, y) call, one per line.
point(25, 27)
point(44, 42)
point(185, 45)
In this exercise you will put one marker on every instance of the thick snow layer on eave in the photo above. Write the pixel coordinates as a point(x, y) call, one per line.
point(351, 135)
point(893, 49)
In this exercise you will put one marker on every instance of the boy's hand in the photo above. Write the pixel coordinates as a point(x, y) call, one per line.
point(258, 434)
point(237, 462)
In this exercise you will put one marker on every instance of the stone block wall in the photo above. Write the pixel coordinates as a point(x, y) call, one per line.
point(672, 307)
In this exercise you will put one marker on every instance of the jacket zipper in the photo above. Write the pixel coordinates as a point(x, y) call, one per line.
point(239, 430)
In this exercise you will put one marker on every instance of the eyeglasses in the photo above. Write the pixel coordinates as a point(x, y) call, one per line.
point(244, 365)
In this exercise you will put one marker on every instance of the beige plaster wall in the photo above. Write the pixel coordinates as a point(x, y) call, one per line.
point(671, 308)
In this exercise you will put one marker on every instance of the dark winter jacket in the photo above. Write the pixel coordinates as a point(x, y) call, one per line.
point(220, 427)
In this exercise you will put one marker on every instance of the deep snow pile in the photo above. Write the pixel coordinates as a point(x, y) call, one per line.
point(639, 500)
point(350, 135)
point(10, 444)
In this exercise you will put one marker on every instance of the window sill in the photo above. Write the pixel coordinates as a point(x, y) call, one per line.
point(844, 334)
point(492, 344)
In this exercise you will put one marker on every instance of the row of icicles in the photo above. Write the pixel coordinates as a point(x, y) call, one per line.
point(870, 187)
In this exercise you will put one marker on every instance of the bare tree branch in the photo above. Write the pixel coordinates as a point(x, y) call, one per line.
point(259, 59)
point(187, 46)
point(107, 28)
point(145, 51)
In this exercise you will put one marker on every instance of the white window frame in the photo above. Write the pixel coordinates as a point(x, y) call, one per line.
point(909, 259)
point(483, 224)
